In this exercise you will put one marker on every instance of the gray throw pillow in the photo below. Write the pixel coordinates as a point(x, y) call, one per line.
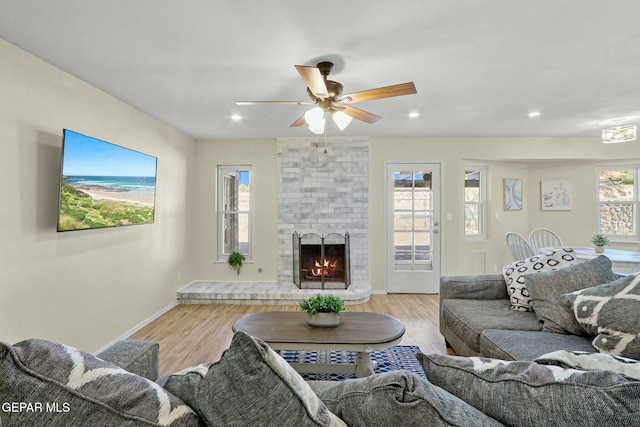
point(43, 383)
point(547, 291)
point(399, 398)
point(251, 385)
point(530, 394)
point(612, 311)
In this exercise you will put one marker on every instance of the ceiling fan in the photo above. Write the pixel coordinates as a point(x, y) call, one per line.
point(327, 95)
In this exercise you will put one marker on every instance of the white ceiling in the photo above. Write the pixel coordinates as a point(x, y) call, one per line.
point(479, 66)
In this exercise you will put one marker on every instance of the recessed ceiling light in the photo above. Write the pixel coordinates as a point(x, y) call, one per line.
point(414, 114)
point(236, 117)
point(534, 114)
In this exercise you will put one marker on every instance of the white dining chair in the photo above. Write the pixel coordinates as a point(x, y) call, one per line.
point(544, 238)
point(519, 246)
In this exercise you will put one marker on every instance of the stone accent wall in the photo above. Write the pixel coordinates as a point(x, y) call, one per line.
point(323, 187)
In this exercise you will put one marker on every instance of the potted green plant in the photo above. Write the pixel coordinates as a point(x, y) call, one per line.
point(323, 310)
point(235, 260)
point(599, 240)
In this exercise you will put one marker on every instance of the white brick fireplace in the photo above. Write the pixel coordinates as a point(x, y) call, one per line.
point(323, 188)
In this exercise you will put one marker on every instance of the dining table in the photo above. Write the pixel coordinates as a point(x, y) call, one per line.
point(621, 261)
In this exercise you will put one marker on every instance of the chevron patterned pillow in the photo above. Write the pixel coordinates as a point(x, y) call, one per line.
point(44, 383)
point(611, 311)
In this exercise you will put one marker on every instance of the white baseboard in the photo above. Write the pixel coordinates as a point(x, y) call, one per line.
point(139, 326)
point(378, 292)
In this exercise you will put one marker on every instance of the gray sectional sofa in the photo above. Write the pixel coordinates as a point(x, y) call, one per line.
point(44, 383)
point(476, 319)
point(545, 303)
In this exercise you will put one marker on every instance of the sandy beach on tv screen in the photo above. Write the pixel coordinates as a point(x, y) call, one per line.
point(122, 196)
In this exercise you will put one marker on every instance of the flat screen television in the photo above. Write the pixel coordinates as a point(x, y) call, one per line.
point(104, 185)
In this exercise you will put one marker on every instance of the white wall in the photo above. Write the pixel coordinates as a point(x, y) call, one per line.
point(261, 155)
point(83, 288)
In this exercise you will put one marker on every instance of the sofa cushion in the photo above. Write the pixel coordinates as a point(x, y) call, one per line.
point(399, 398)
point(515, 273)
point(530, 394)
point(527, 345)
point(612, 311)
point(547, 291)
point(469, 317)
point(61, 385)
point(250, 385)
point(139, 357)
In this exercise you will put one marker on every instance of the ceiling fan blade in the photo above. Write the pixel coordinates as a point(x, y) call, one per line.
point(314, 80)
point(274, 102)
point(359, 114)
point(299, 122)
point(381, 92)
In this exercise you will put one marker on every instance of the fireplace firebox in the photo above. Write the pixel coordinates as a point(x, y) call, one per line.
point(321, 260)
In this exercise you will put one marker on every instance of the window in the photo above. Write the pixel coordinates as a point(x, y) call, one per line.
point(618, 202)
point(234, 210)
point(474, 201)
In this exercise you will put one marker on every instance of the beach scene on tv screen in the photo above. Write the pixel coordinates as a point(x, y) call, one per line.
point(104, 185)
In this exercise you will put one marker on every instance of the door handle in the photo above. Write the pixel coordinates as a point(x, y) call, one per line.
point(435, 231)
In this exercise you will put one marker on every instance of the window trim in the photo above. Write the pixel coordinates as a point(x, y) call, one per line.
point(482, 203)
point(635, 238)
point(221, 171)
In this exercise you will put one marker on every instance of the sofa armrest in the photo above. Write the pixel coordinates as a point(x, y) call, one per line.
point(481, 286)
point(138, 357)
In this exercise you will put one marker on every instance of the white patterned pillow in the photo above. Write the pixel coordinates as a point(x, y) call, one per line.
point(546, 261)
point(612, 312)
point(587, 361)
point(61, 385)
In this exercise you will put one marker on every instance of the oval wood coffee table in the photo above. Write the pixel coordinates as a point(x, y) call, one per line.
point(360, 332)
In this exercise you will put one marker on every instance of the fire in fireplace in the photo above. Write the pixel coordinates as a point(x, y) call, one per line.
point(321, 259)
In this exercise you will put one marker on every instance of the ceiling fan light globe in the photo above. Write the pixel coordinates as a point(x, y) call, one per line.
point(314, 115)
point(317, 127)
point(341, 119)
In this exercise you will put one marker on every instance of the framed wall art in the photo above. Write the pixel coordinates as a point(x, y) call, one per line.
point(556, 195)
point(512, 194)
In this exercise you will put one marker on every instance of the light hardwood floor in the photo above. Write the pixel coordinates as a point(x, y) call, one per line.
point(194, 334)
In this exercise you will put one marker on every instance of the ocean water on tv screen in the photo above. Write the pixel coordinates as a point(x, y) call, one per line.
point(134, 184)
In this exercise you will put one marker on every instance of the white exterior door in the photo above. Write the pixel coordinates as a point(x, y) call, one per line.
point(413, 227)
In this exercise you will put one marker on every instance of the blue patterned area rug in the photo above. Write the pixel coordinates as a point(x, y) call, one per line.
point(391, 359)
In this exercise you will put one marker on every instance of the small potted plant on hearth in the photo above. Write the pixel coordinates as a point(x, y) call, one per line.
point(323, 310)
point(599, 240)
point(235, 260)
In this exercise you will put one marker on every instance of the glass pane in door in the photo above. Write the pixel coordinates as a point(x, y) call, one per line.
point(413, 220)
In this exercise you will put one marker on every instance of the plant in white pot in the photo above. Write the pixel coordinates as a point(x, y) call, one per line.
point(599, 240)
point(323, 310)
